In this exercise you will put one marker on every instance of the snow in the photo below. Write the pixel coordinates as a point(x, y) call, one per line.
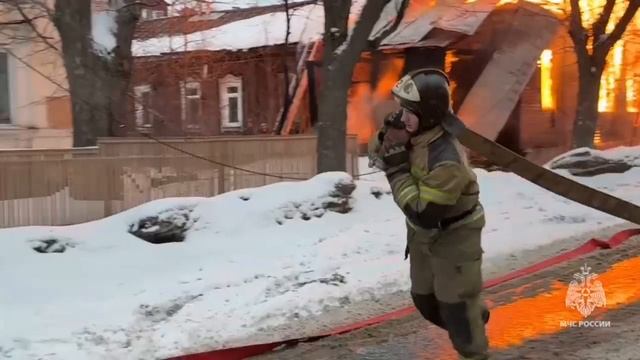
point(103, 28)
point(307, 24)
point(627, 154)
point(249, 261)
point(220, 5)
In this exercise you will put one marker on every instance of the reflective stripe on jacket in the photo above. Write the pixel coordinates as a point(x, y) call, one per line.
point(440, 174)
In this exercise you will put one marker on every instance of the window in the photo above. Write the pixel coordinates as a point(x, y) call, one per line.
point(5, 111)
point(143, 105)
point(191, 104)
point(547, 101)
point(148, 14)
point(231, 102)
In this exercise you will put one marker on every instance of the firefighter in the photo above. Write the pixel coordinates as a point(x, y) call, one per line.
point(437, 191)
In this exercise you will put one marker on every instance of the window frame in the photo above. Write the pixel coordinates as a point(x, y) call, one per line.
point(157, 14)
point(9, 121)
point(147, 14)
point(140, 109)
point(185, 99)
point(224, 84)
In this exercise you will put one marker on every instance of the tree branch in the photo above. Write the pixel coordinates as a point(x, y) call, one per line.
point(394, 25)
point(45, 39)
point(577, 33)
point(359, 38)
point(141, 3)
point(601, 48)
point(336, 27)
point(21, 21)
point(600, 26)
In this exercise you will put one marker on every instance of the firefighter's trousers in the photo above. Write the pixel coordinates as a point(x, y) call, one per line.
point(446, 283)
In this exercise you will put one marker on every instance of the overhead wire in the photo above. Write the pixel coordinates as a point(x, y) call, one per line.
point(164, 143)
point(186, 152)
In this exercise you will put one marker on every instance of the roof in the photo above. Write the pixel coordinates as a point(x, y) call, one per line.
point(230, 30)
point(425, 23)
point(182, 25)
point(460, 17)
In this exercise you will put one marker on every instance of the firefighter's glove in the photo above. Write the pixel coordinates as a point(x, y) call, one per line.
point(395, 151)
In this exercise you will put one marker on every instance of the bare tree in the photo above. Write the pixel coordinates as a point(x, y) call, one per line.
point(98, 70)
point(342, 50)
point(98, 77)
point(592, 46)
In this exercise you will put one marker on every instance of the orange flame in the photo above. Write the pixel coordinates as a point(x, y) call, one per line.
point(360, 116)
point(546, 80)
point(417, 8)
point(546, 314)
point(388, 79)
point(359, 113)
point(613, 80)
point(515, 323)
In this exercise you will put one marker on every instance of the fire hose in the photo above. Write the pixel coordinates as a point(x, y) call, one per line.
point(541, 176)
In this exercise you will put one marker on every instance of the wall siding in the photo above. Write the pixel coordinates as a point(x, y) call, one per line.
point(262, 84)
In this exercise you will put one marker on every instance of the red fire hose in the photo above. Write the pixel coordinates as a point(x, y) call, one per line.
point(243, 352)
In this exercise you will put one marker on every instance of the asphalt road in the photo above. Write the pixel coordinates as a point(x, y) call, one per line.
point(529, 320)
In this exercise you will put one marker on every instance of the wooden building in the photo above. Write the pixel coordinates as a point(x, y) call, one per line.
point(512, 66)
point(235, 86)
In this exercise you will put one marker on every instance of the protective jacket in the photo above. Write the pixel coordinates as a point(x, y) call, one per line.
point(439, 189)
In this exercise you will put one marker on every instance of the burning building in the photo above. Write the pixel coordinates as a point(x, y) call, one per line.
point(513, 71)
point(512, 65)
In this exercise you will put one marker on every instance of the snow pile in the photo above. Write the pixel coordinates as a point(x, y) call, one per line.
point(103, 28)
point(588, 162)
point(307, 24)
point(250, 259)
point(629, 155)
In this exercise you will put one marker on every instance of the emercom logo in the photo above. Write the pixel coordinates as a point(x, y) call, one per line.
point(584, 294)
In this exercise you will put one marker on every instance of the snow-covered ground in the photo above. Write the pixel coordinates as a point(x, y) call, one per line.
point(250, 261)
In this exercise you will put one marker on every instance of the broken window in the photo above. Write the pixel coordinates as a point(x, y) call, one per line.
point(231, 102)
point(191, 104)
point(547, 100)
point(143, 105)
point(5, 112)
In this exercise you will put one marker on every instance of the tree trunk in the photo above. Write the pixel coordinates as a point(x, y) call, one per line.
point(591, 64)
point(98, 82)
point(90, 108)
point(97, 103)
point(341, 53)
point(332, 127)
point(586, 120)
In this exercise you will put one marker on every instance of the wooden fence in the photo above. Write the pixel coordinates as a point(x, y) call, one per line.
point(59, 187)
